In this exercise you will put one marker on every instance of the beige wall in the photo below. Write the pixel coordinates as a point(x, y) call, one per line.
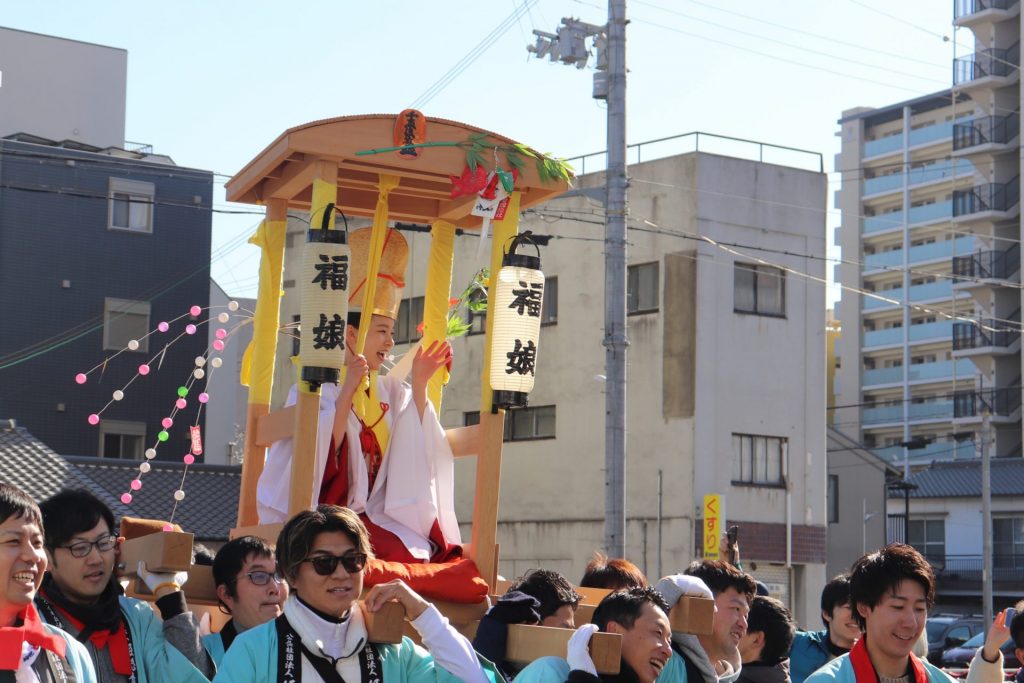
point(62, 89)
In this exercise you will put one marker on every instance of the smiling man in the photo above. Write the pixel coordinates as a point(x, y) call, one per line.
point(124, 638)
point(640, 616)
point(812, 649)
point(891, 591)
point(249, 588)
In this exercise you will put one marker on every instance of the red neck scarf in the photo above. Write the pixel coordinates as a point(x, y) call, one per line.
point(114, 640)
point(32, 632)
point(864, 670)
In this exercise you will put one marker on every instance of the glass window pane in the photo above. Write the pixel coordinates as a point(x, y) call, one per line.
point(760, 459)
point(632, 290)
point(743, 288)
point(769, 291)
point(522, 424)
point(746, 472)
point(402, 323)
point(737, 457)
point(916, 532)
point(120, 210)
point(471, 418)
point(138, 213)
point(648, 287)
point(935, 531)
point(415, 317)
point(549, 309)
point(545, 421)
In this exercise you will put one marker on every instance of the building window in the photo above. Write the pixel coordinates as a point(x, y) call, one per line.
point(524, 424)
point(124, 320)
point(296, 334)
point(549, 310)
point(760, 290)
point(410, 315)
point(642, 288)
point(758, 460)
point(928, 536)
point(833, 498)
point(131, 205)
point(1008, 542)
point(124, 440)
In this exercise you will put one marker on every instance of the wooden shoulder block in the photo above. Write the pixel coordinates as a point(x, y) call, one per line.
point(268, 532)
point(163, 552)
point(592, 596)
point(527, 643)
point(584, 614)
point(275, 426)
point(386, 625)
point(464, 440)
point(692, 615)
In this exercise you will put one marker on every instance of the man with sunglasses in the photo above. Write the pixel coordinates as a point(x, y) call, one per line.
point(248, 588)
point(80, 594)
point(322, 637)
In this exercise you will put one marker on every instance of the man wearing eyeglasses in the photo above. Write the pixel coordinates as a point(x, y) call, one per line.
point(249, 589)
point(124, 638)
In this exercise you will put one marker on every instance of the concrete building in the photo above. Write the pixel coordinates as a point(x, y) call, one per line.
point(857, 481)
point(97, 245)
point(224, 439)
point(62, 89)
point(726, 374)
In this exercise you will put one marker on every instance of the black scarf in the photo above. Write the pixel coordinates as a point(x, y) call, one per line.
point(104, 615)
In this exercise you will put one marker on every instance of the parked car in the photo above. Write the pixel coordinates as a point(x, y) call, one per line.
point(960, 657)
point(947, 631)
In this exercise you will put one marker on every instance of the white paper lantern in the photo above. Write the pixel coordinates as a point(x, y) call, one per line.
point(324, 272)
point(516, 307)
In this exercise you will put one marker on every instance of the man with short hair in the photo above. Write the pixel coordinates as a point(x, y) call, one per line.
point(640, 616)
point(124, 638)
point(249, 588)
point(612, 574)
point(712, 658)
point(542, 597)
point(891, 591)
point(764, 648)
point(813, 649)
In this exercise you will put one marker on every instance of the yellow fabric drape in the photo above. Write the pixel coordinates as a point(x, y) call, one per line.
point(368, 407)
point(436, 297)
point(502, 231)
point(258, 361)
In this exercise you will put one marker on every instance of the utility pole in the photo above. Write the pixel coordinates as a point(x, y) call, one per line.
point(616, 341)
point(986, 515)
point(568, 46)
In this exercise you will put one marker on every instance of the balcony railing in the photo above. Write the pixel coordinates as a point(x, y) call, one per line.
point(922, 252)
point(971, 336)
point(935, 372)
point(930, 291)
point(939, 450)
point(936, 331)
point(926, 213)
point(988, 265)
point(933, 410)
point(991, 62)
point(1003, 402)
point(986, 130)
point(965, 8)
point(987, 197)
point(964, 572)
point(931, 173)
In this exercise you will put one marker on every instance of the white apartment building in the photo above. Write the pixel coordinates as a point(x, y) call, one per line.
point(930, 221)
point(726, 374)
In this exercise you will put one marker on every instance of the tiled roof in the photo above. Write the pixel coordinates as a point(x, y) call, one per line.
point(210, 506)
point(962, 479)
point(211, 491)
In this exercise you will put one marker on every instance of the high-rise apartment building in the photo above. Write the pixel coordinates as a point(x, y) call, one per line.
point(931, 239)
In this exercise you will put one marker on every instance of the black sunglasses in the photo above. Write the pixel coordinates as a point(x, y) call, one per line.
point(325, 565)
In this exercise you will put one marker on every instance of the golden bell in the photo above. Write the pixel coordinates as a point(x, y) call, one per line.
point(390, 278)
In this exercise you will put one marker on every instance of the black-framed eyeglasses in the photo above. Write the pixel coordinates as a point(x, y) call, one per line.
point(325, 565)
point(262, 578)
point(83, 548)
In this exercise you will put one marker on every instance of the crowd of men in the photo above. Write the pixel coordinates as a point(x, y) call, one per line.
point(64, 617)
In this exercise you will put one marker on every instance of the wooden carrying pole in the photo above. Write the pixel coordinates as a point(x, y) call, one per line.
point(483, 545)
point(270, 237)
point(307, 406)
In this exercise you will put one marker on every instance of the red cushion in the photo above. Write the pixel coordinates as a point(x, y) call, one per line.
point(456, 581)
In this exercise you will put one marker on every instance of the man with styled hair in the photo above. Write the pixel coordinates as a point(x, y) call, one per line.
point(891, 591)
point(615, 574)
point(812, 649)
point(124, 638)
point(765, 646)
point(249, 588)
point(640, 616)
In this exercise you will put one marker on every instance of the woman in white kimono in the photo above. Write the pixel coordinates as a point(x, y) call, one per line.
point(322, 637)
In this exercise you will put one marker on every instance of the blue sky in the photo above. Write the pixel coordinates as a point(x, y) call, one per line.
point(211, 83)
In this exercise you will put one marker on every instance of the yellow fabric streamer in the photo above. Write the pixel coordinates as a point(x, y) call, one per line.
point(380, 228)
point(436, 298)
point(503, 231)
point(259, 373)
